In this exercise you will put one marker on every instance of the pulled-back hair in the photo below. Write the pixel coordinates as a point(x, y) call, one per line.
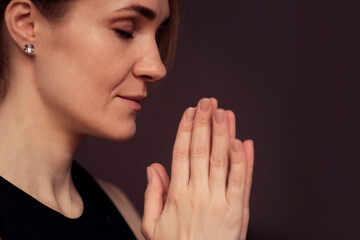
point(56, 10)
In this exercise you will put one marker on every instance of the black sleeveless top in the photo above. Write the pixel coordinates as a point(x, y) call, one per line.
point(23, 217)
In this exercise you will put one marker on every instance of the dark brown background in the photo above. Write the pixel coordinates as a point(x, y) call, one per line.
point(289, 70)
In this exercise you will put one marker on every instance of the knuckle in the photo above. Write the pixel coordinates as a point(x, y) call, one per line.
point(176, 196)
point(202, 120)
point(174, 200)
point(198, 151)
point(187, 128)
point(220, 131)
point(217, 161)
point(236, 181)
point(180, 154)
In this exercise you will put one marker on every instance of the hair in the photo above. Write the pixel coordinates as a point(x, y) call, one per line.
point(56, 10)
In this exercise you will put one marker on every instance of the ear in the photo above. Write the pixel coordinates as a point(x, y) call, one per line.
point(19, 20)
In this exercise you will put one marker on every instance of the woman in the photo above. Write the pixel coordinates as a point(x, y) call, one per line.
point(76, 68)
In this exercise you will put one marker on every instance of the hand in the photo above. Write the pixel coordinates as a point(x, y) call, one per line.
point(208, 196)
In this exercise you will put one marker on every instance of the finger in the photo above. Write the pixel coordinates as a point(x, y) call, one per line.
point(219, 154)
point(232, 127)
point(249, 154)
point(214, 104)
point(153, 204)
point(236, 179)
point(164, 179)
point(180, 166)
point(232, 123)
point(200, 145)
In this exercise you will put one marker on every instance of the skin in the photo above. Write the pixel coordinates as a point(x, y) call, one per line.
point(68, 89)
point(208, 195)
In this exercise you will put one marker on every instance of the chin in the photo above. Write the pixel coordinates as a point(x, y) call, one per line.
point(120, 134)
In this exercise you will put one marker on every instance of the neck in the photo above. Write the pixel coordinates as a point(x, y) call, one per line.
point(36, 151)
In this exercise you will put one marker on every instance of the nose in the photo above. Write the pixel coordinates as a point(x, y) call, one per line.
point(149, 65)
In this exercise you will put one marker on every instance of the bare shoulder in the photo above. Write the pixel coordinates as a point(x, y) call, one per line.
point(124, 206)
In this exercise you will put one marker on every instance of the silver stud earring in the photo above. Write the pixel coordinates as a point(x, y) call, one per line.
point(29, 48)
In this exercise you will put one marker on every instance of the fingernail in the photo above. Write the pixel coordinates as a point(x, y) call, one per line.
point(205, 104)
point(235, 145)
point(190, 113)
point(219, 116)
point(148, 174)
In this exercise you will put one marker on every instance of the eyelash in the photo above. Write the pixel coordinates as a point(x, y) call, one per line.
point(128, 35)
point(124, 34)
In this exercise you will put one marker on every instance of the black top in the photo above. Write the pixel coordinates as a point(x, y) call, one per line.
point(23, 217)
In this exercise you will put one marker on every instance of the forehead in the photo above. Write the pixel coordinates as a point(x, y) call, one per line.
point(160, 7)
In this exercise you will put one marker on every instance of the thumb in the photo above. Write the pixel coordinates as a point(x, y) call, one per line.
point(164, 179)
point(153, 204)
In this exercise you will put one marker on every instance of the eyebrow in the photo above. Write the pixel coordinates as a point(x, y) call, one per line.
point(144, 11)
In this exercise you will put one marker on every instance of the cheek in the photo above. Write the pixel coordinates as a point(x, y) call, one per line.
point(90, 61)
point(82, 74)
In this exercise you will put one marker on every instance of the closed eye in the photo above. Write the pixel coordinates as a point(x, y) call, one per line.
point(124, 34)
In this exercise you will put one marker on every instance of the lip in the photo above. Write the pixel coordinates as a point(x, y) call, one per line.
point(133, 103)
point(137, 98)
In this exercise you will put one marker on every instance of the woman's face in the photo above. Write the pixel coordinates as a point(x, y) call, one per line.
point(104, 49)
